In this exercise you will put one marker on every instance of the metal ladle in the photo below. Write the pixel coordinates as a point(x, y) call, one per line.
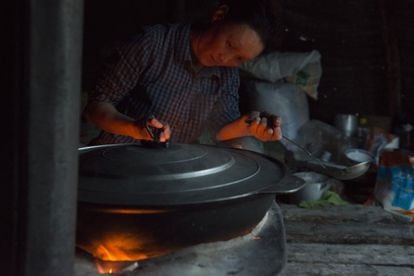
point(304, 150)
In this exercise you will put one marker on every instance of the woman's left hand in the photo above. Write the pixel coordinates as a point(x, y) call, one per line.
point(264, 126)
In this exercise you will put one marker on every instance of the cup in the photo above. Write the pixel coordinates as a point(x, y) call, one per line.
point(315, 185)
point(347, 124)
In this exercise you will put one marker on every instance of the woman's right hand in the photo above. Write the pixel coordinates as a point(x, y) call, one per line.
point(148, 130)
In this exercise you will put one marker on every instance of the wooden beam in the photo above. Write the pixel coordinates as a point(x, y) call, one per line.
point(392, 57)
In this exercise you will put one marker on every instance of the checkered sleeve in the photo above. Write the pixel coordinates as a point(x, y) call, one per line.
point(122, 69)
point(226, 108)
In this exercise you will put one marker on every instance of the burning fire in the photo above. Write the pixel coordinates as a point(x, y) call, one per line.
point(117, 253)
point(120, 248)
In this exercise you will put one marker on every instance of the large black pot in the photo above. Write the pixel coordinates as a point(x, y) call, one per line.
point(137, 202)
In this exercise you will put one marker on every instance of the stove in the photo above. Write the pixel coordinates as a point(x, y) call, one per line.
point(261, 252)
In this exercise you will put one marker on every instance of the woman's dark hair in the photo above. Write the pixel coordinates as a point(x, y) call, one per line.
point(263, 16)
point(260, 15)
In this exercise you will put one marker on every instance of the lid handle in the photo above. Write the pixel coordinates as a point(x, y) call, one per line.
point(155, 134)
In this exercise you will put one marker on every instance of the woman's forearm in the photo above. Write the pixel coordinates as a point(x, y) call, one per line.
point(108, 118)
point(231, 131)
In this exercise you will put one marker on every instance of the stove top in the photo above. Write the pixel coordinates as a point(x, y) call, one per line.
point(261, 252)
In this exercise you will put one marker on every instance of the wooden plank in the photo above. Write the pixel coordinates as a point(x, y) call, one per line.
point(349, 233)
point(351, 224)
point(339, 214)
point(299, 269)
point(367, 254)
point(347, 240)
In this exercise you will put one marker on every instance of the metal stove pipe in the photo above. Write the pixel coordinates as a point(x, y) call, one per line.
point(43, 137)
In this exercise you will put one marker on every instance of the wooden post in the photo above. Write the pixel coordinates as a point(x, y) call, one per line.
point(392, 57)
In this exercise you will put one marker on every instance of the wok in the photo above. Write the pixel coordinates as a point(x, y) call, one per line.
point(136, 202)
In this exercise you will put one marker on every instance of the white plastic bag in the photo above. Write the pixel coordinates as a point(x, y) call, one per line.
point(301, 69)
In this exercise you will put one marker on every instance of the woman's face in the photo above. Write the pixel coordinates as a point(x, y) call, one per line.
point(226, 45)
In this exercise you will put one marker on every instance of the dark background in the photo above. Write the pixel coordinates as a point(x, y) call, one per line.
point(367, 60)
point(365, 45)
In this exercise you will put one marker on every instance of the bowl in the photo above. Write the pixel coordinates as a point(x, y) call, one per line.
point(359, 155)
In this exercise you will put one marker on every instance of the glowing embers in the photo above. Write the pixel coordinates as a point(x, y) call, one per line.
point(114, 267)
point(119, 249)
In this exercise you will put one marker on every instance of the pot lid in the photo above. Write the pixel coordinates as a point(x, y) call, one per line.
point(132, 174)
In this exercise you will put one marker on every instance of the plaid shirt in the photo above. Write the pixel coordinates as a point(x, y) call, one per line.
point(153, 74)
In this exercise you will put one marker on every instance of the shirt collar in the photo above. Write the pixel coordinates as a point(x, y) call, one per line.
point(184, 54)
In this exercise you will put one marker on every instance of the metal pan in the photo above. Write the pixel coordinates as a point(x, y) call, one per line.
point(137, 202)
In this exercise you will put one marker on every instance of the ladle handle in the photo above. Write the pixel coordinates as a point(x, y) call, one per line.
point(298, 146)
point(304, 150)
point(155, 134)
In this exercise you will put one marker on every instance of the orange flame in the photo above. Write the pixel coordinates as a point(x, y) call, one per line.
point(117, 252)
point(121, 248)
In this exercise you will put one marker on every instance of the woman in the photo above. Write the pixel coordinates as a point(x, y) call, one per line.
point(184, 80)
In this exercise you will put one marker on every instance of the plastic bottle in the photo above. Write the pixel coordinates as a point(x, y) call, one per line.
point(404, 130)
point(362, 132)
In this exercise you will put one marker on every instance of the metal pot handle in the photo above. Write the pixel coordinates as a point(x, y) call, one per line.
point(288, 184)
